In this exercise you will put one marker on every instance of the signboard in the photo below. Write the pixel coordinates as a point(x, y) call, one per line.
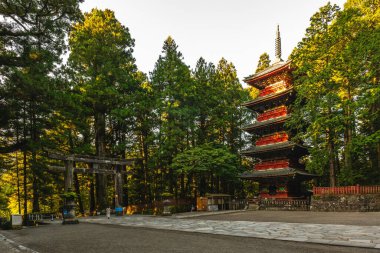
point(16, 220)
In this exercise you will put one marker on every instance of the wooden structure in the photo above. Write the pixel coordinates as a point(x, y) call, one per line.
point(214, 202)
point(346, 190)
point(69, 169)
point(277, 169)
point(219, 202)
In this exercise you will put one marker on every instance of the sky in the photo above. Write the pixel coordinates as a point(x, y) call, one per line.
point(238, 30)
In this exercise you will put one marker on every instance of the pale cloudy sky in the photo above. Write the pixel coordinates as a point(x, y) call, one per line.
point(238, 30)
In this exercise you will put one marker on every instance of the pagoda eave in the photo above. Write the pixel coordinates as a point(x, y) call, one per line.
point(287, 145)
point(268, 98)
point(262, 124)
point(283, 172)
point(272, 70)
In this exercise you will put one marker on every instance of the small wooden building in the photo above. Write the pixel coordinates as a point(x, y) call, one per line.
point(214, 202)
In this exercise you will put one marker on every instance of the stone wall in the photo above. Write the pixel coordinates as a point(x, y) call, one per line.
point(284, 204)
point(346, 203)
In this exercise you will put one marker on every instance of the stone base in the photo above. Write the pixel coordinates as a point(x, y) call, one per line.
point(284, 205)
point(346, 203)
point(253, 207)
point(70, 221)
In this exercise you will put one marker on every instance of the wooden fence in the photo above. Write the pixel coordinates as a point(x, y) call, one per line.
point(342, 190)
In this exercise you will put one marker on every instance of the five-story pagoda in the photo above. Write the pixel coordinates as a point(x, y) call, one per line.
point(278, 169)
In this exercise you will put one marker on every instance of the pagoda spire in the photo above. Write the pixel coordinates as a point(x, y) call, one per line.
point(278, 45)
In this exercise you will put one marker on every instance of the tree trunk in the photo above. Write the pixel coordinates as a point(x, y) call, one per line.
point(18, 184)
point(92, 195)
point(202, 129)
point(36, 194)
point(25, 185)
point(212, 183)
point(202, 186)
point(189, 182)
point(348, 136)
point(195, 188)
point(77, 191)
point(101, 179)
point(375, 126)
point(183, 190)
point(331, 152)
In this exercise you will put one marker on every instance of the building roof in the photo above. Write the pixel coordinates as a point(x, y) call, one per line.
point(261, 124)
point(275, 68)
point(268, 97)
point(276, 173)
point(271, 147)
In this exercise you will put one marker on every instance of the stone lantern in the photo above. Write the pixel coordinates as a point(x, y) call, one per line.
point(167, 204)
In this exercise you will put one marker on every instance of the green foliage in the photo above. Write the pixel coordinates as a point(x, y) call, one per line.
point(338, 99)
point(207, 158)
point(69, 195)
point(32, 43)
point(264, 62)
point(104, 74)
point(166, 195)
point(183, 125)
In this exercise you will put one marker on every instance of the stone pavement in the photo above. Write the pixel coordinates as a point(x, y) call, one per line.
point(7, 245)
point(340, 235)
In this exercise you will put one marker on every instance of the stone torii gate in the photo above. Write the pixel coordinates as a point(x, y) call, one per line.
point(69, 205)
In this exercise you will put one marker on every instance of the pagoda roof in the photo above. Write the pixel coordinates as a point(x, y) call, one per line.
point(287, 172)
point(268, 97)
point(261, 124)
point(274, 69)
point(272, 147)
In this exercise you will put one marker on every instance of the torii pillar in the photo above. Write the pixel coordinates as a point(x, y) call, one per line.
point(69, 197)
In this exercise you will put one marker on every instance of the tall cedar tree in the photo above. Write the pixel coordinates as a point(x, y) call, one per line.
point(171, 83)
point(338, 94)
point(101, 56)
point(31, 45)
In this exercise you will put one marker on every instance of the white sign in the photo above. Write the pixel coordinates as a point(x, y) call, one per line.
point(16, 220)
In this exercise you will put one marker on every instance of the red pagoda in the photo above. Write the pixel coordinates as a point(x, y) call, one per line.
point(278, 170)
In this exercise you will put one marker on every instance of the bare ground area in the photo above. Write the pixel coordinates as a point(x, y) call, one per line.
point(57, 238)
point(343, 218)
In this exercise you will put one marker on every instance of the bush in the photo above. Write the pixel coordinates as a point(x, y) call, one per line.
point(5, 224)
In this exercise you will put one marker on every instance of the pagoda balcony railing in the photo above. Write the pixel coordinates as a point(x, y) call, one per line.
point(272, 139)
point(346, 190)
point(273, 88)
point(273, 113)
point(276, 164)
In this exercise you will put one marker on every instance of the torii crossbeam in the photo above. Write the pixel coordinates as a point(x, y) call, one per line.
point(68, 169)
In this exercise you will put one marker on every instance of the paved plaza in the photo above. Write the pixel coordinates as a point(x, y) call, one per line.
point(229, 231)
point(98, 238)
point(339, 218)
point(330, 234)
